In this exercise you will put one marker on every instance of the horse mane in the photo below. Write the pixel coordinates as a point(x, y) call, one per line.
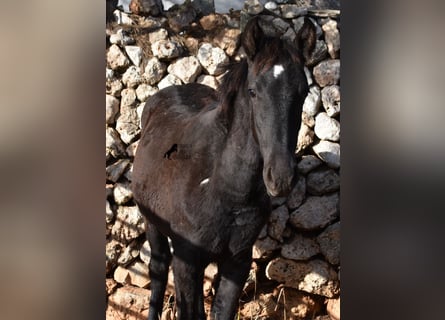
point(231, 83)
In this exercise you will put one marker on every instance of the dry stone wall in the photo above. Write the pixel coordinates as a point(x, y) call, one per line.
point(299, 248)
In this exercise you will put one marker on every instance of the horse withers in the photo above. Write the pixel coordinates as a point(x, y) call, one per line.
point(208, 162)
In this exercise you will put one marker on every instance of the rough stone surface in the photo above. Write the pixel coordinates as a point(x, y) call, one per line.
point(277, 223)
point(127, 124)
point(121, 38)
point(329, 241)
point(320, 53)
point(290, 11)
point(305, 137)
point(227, 39)
point(209, 81)
point(129, 224)
point(129, 303)
point(135, 274)
point(128, 97)
point(111, 108)
point(322, 181)
point(122, 193)
point(145, 253)
point(166, 49)
point(143, 91)
point(114, 87)
point(332, 38)
point(264, 247)
point(330, 96)
point(300, 248)
point(116, 59)
point(122, 18)
point(316, 212)
point(333, 308)
point(327, 72)
point(112, 251)
point(169, 80)
point(308, 163)
point(329, 152)
point(314, 276)
point(212, 58)
point(109, 214)
point(160, 34)
point(132, 77)
point(131, 149)
point(129, 253)
point(115, 170)
point(297, 194)
point(327, 128)
point(154, 71)
point(135, 54)
point(186, 69)
point(313, 101)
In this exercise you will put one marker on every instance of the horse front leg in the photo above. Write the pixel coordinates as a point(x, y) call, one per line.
point(232, 275)
point(189, 277)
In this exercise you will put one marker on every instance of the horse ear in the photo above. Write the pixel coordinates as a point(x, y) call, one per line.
point(306, 38)
point(251, 38)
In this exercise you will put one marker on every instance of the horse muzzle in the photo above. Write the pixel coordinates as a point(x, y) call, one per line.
point(279, 176)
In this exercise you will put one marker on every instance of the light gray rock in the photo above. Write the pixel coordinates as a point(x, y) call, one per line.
point(132, 77)
point(112, 251)
point(329, 152)
point(322, 181)
point(312, 102)
point(314, 276)
point(154, 71)
point(116, 59)
point(305, 138)
point(143, 91)
point(111, 108)
point(330, 96)
point(329, 241)
point(253, 7)
point(160, 34)
point(298, 23)
point(290, 11)
point(135, 54)
point(271, 5)
point(308, 75)
point(308, 120)
point(316, 212)
point(212, 58)
point(277, 223)
point(122, 18)
point(263, 248)
point(121, 37)
point(297, 194)
point(114, 87)
point(128, 254)
point(166, 49)
point(131, 150)
point(145, 252)
point(109, 214)
point(128, 174)
point(327, 72)
point(169, 80)
point(327, 128)
point(135, 274)
point(140, 110)
point(109, 74)
point(129, 224)
point(332, 38)
point(308, 163)
point(122, 193)
point(115, 170)
point(300, 248)
point(128, 97)
point(127, 124)
point(128, 300)
point(209, 81)
point(186, 69)
point(113, 144)
point(319, 54)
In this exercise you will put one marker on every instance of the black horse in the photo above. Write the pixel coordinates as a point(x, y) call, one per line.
point(207, 163)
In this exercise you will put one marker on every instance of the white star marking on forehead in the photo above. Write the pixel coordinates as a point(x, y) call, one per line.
point(277, 70)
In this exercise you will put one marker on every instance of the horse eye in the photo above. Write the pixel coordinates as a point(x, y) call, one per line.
point(252, 93)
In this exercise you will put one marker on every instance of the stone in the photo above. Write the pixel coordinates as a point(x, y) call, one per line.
point(146, 7)
point(308, 75)
point(312, 102)
point(114, 145)
point(121, 37)
point(264, 248)
point(127, 124)
point(333, 308)
point(129, 303)
point(291, 36)
point(322, 181)
point(277, 223)
point(128, 97)
point(213, 59)
point(280, 24)
point(227, 39)
point(129, 172)
point(296, 305)
point(129, 224)
point(305, 138)
point(212, 21)
point(116, 59)
point(114, 87)
point(298, 23)
point(330, 96)
point(316, 212)
point(111, 108)
point(253, 7)
point(122, 193)
point(109, 74)
point(109, 213)
point(143, 91)
point(132, 77)
point(332, 38)
point(112, 251)
point(308, 163)
point(290, 11)
point(181, 17)
point(209, 81)
point(327, 72)
point(314, 276)
point(135, 54)
point(110, 286)
point(271, 5)
point(169, 80)
point(186, 69)
point(307, 119)
point(115, 171)
point(160, 34)
point(327, 128)
point(154, 71)
point(319, 54)
point(122, 18)
point(145, 253)
point(166, 49)
point(300, 248)
point(297, 194)
point(329, 152)
point(129, 253)
point(131, 150)
point(329, 242)
point(140, 110)
point(263, 232)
